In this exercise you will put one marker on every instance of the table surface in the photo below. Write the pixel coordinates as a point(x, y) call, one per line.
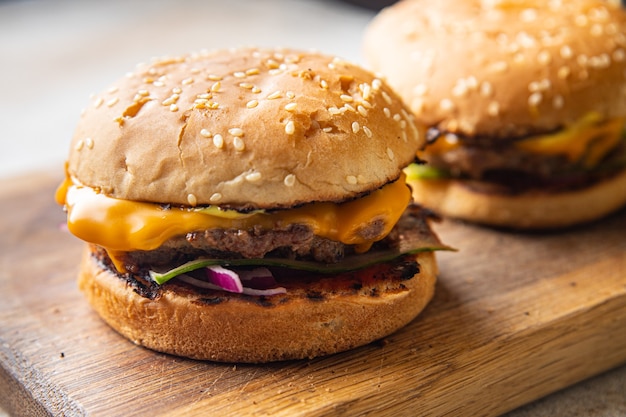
point(56, 53)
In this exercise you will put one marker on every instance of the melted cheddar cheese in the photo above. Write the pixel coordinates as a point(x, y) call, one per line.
point(123, 226)
point(587, 141)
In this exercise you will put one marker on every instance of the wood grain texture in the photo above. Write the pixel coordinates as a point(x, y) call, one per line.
point(515, 317)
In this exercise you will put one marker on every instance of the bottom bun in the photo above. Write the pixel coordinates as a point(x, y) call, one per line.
point(529, 210)
point(317, 316)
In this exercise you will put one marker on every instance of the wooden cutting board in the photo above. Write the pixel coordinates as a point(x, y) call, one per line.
point(516, 316)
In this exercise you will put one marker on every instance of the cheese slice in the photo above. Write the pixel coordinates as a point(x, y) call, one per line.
point(590, 138)
point(587, 141)
point(123, 226)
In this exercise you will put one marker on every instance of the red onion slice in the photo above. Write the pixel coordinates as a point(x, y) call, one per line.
point(224, 278)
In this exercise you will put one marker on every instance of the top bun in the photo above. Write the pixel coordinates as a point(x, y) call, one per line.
point(244, 128)
point(502, 68)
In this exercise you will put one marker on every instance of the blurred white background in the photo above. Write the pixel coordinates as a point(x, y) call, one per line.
point(55, 53)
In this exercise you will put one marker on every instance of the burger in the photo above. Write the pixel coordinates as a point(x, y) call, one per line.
point(249, 205)
point(524, 102)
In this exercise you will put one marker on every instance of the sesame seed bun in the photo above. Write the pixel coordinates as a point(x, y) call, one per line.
point(312, 319)
point(491, 74)
point(502, 68)
point(245, 127)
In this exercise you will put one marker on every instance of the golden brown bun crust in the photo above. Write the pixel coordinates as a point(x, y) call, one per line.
point(502, 67)
point(531, 210)
point(243, 127)
point(235, 329)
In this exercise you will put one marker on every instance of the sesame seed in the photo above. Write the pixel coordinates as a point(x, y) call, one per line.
point(176, 90)
point(376, 84)
point(619, 55)
point(472, 82)
point(446, 104)
point(387, 112)
point(252, 71)
point(252, 104)
point(534, 99)
point(597, 30)
point(367, 131)
point(355, 127)
point(173, 107)
point(205, 133)
point(362, 110)
point(256, 90)
point(239, 144)
point(235, 131)
point(192, 200)
point(112, 102)
point(557, 102)
point(216, 86)
point(600, 62)
point(351, 179)
point(291, 106)
point(158, 84)
point(402, 124)
point(290, 95)
point(347, 107)
point(563, 72)
point(528, 15)
point(334, 110)
point(390, 154)
point(499, 66)
point(346, 98)
point(205, 95)
point(213, 77)
point(170, 100)
point(566, 52)
point(98, 102)
point(218, 141)
point(367, 91)
point(79, 145)
point(253, 177)
point(493, 109)
point(324, 84)
point(420, 89)
point(187, 81)
point(386, 97)
point(366, 104)
point(486, 90)
point(215, 197)
point(290, 128)
point(289, 180)
point(274, 95)
point(397, 117)
point(404, 136)
point(113, 89)
point(247, 86)
point(459, 89)
point(544, 57)
point(239, 74)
